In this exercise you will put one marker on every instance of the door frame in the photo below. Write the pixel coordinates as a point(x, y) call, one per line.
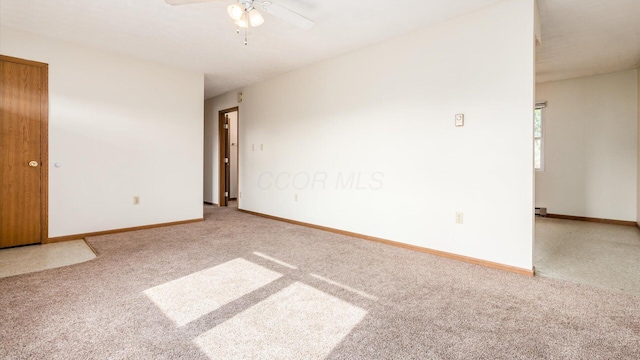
point(224, 148)
point(44, 142)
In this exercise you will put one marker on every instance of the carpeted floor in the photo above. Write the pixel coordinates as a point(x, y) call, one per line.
point(602, 255)
point(240, 286)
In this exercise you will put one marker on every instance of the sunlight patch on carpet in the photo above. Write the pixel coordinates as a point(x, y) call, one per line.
point(190, 297)
point(298, 322)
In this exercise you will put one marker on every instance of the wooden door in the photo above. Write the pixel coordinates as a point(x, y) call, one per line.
point(223, 139)
point(23, 148)
point(224, 158)
point(227, 161)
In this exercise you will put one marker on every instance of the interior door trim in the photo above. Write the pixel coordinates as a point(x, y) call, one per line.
point(44, 141)
point(223, 144)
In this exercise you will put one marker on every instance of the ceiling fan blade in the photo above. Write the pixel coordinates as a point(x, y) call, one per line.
point(287, 15)
point(186, 2)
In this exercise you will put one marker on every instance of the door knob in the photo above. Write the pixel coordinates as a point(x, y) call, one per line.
point(33, 163)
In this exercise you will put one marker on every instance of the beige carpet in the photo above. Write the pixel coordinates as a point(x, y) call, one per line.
point(32, 258)
point(238, 286)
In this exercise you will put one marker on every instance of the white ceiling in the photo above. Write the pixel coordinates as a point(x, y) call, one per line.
point(580, 37)
point(587, 37)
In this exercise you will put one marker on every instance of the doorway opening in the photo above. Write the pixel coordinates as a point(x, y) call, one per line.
point(228, 159)
point(570, 243)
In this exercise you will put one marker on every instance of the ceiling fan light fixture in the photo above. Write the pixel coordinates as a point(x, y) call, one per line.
point(255, 18)
point(235, 11)
point(243, 22)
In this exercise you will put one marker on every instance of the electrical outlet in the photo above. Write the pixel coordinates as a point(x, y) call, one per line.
point(295, 197)
point(136, 200)
point(459, 119)
point(459, 219)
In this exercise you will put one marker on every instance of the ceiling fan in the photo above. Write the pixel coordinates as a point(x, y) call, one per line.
point(245, 14)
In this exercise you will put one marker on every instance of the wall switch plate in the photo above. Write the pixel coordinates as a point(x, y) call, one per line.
point(459, 219)
point(136, 200)
point(459, 119)
point(295, 197)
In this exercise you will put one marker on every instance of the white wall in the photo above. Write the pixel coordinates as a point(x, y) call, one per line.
point(383, 117)
point(590, 146)
point(119, 127)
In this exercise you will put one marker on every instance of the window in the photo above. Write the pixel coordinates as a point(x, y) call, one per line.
point(538, 141)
